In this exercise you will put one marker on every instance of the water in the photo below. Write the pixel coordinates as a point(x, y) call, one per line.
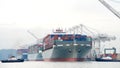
point(40, 64)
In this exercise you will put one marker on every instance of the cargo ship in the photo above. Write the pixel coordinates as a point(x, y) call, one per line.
point(62, 46)
point(34, 52)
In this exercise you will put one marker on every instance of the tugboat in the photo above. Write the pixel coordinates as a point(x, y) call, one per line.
point(12, 59)
point(108, 57)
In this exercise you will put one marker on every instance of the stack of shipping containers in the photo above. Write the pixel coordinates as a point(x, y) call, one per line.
point(51, 39)
point(34, 52)
point(35, 48)
point(22, 54)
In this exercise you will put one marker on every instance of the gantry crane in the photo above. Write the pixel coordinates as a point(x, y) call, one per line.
point(110, 8)
point(38, 39)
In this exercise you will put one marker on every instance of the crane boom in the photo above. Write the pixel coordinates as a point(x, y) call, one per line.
point(110, 8)
point(32, 35)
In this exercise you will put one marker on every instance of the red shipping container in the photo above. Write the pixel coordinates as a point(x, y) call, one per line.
point(56, 37)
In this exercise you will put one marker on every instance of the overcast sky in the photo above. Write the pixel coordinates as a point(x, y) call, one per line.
point(41, 16)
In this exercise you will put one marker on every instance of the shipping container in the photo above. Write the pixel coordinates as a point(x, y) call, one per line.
point(46, 37)
point(25, 56)
point(55, 37)
point(35, 48)
point(21, 51)
point(51, 39)
point(65, 37)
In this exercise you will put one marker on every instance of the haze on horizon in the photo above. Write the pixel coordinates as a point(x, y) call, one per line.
point(41, 16)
